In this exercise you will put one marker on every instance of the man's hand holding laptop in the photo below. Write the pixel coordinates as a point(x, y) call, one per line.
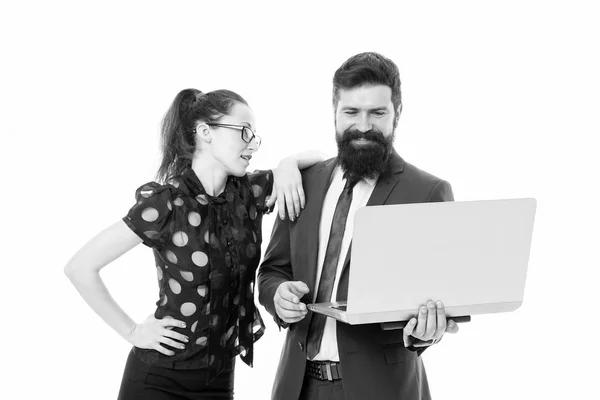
point(429, 326)
point(287, 301)
point(424, 330)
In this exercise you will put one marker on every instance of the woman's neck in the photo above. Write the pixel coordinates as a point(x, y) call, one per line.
point(210, 173)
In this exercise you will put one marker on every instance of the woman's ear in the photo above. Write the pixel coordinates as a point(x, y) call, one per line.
point(203, 132)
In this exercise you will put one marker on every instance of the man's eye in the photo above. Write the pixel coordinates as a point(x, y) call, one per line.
point(379, 113)
point(350, 112)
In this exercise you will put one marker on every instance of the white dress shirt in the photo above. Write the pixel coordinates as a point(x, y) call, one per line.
point(360, 196)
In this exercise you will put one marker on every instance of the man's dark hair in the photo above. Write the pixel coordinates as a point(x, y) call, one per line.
point(368, 69)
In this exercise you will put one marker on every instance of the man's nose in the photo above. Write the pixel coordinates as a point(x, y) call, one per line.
point(364, 123)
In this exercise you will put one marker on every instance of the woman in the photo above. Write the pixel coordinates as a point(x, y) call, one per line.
point(204, 226)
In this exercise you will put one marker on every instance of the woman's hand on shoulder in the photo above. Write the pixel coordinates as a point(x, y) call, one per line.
point(153, 332)
point(287, 189)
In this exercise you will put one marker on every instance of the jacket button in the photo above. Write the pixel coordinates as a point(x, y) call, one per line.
point(301, 346)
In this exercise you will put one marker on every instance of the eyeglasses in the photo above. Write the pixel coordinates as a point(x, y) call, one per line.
point(247, 133)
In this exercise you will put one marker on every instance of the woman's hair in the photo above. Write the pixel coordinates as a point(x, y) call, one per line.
point(178, 128)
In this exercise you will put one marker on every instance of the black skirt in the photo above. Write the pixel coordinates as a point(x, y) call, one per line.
point(143, 381)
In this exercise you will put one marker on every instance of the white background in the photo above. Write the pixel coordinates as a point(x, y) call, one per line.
point(499, 99)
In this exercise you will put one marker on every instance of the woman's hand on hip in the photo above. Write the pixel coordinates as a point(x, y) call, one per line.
point(153, 332)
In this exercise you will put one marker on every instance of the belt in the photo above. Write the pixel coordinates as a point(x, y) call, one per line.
point(323, 370)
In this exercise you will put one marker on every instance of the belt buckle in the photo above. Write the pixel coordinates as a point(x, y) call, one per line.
point(327, 371)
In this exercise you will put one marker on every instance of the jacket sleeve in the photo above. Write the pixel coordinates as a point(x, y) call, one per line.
point(276, 268)
point(442, 191)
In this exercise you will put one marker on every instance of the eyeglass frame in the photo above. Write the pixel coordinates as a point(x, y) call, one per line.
point(241, 129)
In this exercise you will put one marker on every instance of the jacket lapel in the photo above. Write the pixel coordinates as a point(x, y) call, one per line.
point(387, 181)
point(310, 218)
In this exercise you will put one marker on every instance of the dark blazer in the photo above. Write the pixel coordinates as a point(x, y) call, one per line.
point(375, 364)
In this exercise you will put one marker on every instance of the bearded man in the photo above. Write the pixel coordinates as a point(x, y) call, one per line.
point(307, 260)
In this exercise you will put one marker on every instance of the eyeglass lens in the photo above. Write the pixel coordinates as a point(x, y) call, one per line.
point(247, 135)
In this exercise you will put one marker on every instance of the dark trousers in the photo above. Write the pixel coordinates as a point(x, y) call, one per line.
point(316, 389)
point(143, 381)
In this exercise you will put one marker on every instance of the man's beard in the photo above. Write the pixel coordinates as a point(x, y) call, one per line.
point(367, 160)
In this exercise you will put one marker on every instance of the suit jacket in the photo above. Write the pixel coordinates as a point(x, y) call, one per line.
point(375, 363)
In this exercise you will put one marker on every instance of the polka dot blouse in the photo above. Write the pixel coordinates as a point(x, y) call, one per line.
point(207, 249)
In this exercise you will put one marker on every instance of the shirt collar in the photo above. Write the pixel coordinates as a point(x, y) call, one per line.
point(196, 189)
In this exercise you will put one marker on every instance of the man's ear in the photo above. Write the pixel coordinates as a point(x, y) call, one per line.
point(398, 112)
point(203, 132)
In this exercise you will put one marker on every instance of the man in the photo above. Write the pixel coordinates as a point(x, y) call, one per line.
point(308, 258)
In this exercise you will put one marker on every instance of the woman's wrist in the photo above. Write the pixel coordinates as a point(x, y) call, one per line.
point(289, 160)
point(130, 333)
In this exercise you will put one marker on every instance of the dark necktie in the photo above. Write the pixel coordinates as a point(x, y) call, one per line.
point(332, 254)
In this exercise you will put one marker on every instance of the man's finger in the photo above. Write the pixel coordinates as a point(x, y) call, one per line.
point(419, 331)
point(431, 320)
point(451, 327)
point(287, 295)
point(408, 331)
point(291, 291)
point(291, 313)
point(299, 288)
point(410, 326)
point(441, 320)
point(291, 306)
point(288, 315)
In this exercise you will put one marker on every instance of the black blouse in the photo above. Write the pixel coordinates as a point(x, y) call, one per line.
point(207, 249)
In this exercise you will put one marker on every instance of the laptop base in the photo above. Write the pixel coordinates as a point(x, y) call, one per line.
point(389, 326)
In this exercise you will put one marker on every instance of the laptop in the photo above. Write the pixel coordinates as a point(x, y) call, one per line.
point(472, 255)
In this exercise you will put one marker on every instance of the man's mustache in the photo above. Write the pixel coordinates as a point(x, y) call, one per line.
point(372, 134)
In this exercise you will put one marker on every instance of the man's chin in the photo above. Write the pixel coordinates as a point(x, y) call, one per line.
point(366, 151)
point(364, 155)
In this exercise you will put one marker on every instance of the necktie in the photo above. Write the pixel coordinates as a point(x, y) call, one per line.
point(332, 254)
